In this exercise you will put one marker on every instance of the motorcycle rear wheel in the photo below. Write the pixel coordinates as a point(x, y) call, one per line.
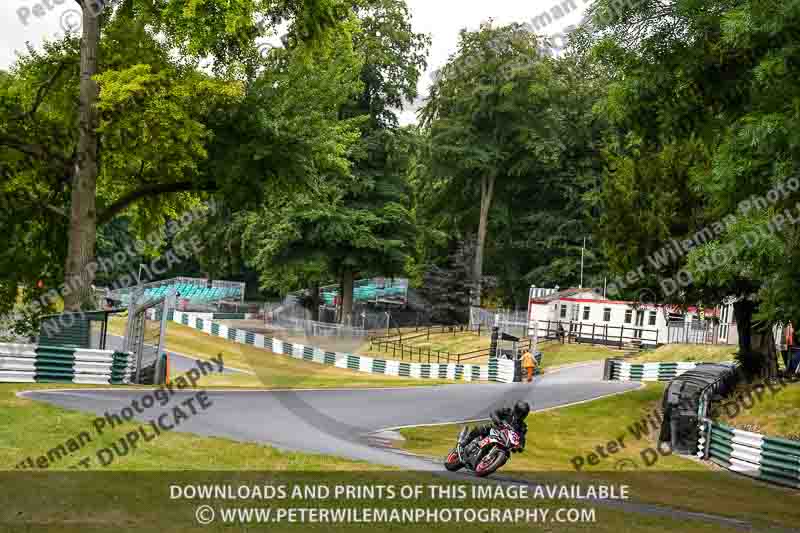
point(452, 462)
point(489, 464)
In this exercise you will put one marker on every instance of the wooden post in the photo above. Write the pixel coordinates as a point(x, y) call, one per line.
point(621, 330)
point(593, 325)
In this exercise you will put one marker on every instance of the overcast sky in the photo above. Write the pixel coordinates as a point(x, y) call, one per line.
point(32, 21)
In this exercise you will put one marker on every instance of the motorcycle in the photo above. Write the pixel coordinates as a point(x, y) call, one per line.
point(485, 455)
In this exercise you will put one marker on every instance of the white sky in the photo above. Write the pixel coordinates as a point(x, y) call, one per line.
point(442, 19)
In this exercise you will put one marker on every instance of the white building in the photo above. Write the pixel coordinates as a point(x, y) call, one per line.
point(587, 316)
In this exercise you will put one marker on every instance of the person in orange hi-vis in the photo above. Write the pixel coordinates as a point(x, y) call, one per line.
point(529, 364)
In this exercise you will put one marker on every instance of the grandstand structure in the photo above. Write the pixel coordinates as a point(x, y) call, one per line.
point(372, 290)
point(192, 292)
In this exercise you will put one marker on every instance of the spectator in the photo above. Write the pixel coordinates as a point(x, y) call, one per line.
point(561, 333)
point(529, 364)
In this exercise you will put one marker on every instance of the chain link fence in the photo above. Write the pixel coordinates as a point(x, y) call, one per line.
point(511, 322)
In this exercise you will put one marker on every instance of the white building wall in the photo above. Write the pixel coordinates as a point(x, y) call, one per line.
point(577, 303)
point(541, 312)
point(583, 313)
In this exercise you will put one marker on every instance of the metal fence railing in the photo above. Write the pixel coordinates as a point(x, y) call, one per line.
point(506, 319)
point(397, 345)
point(696, 332)
point(597, 333)
point(314, 328)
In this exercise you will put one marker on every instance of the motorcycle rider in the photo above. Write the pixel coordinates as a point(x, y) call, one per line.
point(514, 416)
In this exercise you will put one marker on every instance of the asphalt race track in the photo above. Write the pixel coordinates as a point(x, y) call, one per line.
point(342, 422)
point(353, 423)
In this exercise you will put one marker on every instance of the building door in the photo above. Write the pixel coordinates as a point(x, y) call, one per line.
point(573, 324)
point(637, 333)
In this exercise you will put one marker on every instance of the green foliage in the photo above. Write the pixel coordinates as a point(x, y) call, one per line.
point(159, 117)
point(357, 217)
point(489, 112)
point(710, 94)
point(500, 109)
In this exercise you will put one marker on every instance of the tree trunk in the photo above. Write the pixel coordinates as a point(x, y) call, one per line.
point(487, 190)
point(765, 355)
point(347, 298)
point(315, 302)
point(743, 312)
point(83, 214)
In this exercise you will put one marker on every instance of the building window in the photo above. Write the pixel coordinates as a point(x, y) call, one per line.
point(606, 314)
point(563, 310)
point(586, 312)
point(628, 316)
point(652, 318)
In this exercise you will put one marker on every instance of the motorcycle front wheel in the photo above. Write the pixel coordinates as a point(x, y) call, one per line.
point(490, 463)
point(452, 462)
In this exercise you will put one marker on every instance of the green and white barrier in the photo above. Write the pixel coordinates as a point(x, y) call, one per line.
point(618, 370)
point(154, 313)
point(29, 363)
point(359, 363)
point(770, 459)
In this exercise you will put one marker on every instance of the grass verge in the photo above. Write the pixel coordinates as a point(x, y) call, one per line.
point(700, 353)
point(31, 428)
point(557, 354)
point(270, 370)
point(773, 412)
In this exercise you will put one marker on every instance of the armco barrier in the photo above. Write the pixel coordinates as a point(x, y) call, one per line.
point(770, 459)
point(29, 363)
point(686, 402)
point(619, 370)
point(360, 363)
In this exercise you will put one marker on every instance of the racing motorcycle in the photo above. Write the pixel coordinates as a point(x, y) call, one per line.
point(484, 455)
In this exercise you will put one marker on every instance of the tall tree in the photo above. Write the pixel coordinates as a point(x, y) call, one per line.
point(490, 120)
point(359, 223)
point(208, 28)
point(144, 101)
point(541, 229)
